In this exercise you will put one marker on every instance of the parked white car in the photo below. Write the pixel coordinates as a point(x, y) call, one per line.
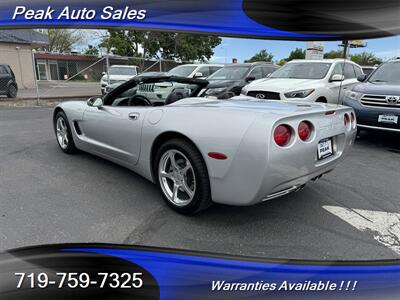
point(307, 80)
point(195, 70)
point(118, 74)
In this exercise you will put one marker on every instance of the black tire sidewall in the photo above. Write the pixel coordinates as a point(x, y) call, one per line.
point(202, 197)
point(71, 145)
point(9, 94)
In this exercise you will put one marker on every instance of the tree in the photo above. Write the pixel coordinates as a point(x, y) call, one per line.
point(92, 50)
point(282, 62)
point(366, 59)
point(298, 53)
point(333, 54)
point(263, 55)
point(123, 42)
point(62, 40)
point(185, 47)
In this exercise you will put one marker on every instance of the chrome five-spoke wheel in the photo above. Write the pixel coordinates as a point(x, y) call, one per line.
point(182, 176)
point(62, 132)
point(177, 177)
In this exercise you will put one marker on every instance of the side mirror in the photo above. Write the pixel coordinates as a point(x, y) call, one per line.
point(337, 77)
point(362, 77)
point(95, 102)
point(250, 78)
point(268, 75)
point(103, 73)
point(198, 75)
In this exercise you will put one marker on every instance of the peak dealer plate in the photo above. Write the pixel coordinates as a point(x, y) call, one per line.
point(391, 119)
point(325, 148)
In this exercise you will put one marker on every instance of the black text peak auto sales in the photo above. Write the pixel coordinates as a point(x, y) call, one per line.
point(67, 13)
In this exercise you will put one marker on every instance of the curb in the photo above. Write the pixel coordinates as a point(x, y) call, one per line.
point(45, 102)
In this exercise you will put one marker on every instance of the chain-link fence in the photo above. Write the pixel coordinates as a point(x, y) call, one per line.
point(27, 74)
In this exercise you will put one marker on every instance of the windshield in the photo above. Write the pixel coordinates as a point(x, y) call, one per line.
point(388, 73)
point(302, 70)
point(182, 71)
point(122, 71)
point(229, 73)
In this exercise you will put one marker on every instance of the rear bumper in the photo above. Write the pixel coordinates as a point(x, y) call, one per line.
point(367, 117)
point(285, 169)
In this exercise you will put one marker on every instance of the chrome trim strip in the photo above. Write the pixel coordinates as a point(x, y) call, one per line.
point(282, 193)
point(378, 128)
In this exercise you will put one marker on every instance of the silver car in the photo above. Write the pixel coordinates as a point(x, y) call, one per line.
point(198, 151)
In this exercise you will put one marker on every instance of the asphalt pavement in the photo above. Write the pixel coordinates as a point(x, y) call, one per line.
point(58, 89)
point(47, 196)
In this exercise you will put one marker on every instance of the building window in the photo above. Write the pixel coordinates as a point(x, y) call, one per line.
point(42, 70)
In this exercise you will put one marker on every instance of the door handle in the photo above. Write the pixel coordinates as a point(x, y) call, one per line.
point(134, 116)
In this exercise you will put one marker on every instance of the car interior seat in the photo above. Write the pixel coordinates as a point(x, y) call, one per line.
point(177, 95)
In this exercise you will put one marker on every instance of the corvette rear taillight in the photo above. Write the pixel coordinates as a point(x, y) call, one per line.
point(305, 130)
point(282, 135)
point(353, 119)
point(346, 120)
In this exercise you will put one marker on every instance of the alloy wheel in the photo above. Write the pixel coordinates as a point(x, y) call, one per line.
point(62, 132)
point(177, 177)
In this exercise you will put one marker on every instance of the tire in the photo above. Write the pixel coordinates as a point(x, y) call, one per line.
point(12, 91)
point(195, 179)
point(63, 133)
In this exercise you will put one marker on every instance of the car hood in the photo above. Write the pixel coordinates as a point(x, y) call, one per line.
point(377, 88)
point(222, 83)
point(118, 77)
point(281, 84)
point(255, 105)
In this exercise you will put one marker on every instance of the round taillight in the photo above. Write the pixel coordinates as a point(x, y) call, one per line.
point(304, 130)
point(346, 120)
point(353, 118)
point(282, 135)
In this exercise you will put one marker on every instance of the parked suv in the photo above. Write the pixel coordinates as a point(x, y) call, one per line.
point(8, 84)
point(195, 70)
point(158, 91)
point(308, 80)
point(376, 101)
point(117, 74)
point(229, 81)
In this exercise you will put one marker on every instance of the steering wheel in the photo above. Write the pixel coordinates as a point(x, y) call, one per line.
point(139, 100)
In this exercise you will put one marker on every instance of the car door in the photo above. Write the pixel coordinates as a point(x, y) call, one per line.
point(205, 71)
point(114, 131)
point(257, 73)
point(335, 87)
point(350, 77)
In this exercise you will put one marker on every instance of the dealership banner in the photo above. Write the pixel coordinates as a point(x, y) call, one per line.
point(72, 271)
point(273, 19)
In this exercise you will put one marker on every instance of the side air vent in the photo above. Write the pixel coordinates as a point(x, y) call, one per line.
point(77, 129)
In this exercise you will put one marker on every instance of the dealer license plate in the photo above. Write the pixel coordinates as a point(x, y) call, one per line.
point(325, 148)
point(392, 119)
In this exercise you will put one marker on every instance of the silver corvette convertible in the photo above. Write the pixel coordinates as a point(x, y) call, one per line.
point(198, 151)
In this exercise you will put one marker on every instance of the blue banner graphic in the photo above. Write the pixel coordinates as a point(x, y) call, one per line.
point(134, 272)
point(283, 19)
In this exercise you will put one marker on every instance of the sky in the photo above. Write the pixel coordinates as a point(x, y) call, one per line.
point(242, 49)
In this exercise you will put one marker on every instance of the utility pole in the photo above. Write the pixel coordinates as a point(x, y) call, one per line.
point(35, 77)
point(107, 68)
point(345, 49)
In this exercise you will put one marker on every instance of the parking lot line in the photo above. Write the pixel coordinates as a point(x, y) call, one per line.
point(385, 226)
